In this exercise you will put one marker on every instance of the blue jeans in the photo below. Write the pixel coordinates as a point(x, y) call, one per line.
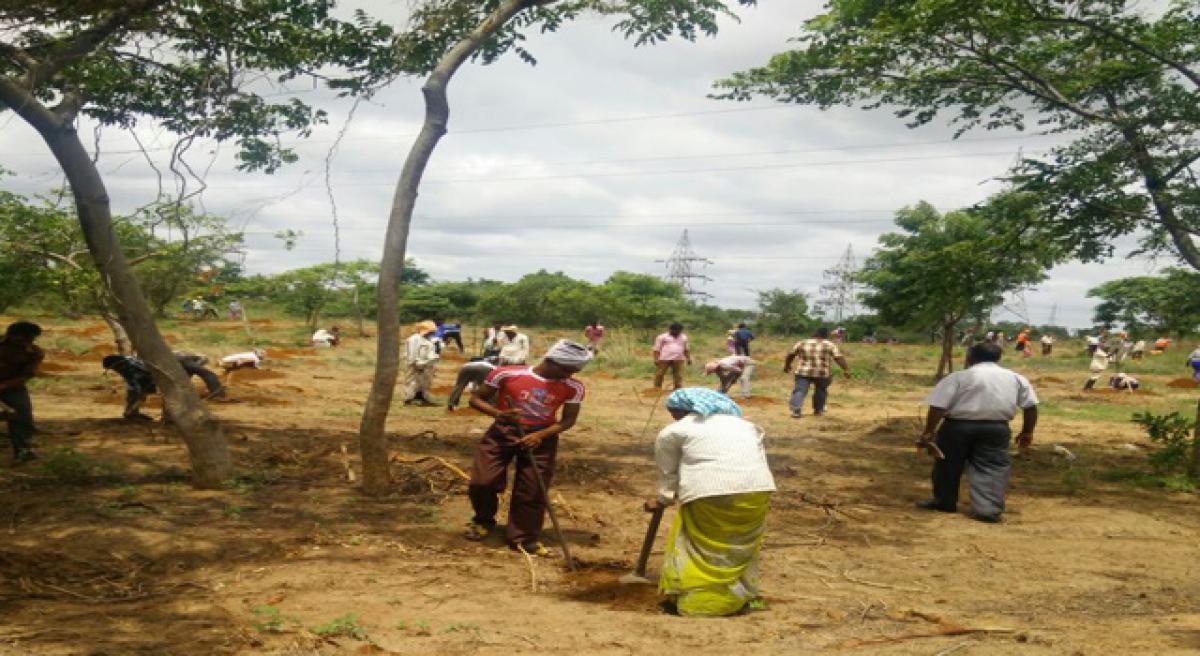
point(20, 427)
point(820, 393)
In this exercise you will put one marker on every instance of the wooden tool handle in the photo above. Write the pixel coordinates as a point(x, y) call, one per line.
point(648, 543)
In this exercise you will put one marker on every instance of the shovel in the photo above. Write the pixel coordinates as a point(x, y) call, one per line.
point(537, 473)
point(638, 575)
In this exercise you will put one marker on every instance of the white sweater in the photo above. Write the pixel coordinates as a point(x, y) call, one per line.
point(716, 456)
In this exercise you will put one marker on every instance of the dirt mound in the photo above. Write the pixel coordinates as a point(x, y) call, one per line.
point(652, 392)
point(285, 353)
point(256, 374)
point(758, 401)
point(602, 375)
point(53, 368)
point(1049, 379)
point(429, 477)
point(59, 575)
point(1137, 392)
point(87, 331)
point(605, 587)
point(68, 356)
point(152, 402)
point(896, 427)
point(258, 399)
point(441, 389)
point(1184, 383)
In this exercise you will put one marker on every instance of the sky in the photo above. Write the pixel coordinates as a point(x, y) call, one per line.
point(595, 160)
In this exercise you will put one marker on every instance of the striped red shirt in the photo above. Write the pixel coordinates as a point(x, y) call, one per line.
point(537, 399)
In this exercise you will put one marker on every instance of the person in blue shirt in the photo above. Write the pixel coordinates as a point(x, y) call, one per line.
point(741, 340)
point(449, 332)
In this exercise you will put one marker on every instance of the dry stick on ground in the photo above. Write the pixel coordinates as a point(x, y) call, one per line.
point(945, 628)
point(445, 463)
point(883, 586)
point(532, 570)
point(951, 650)
point(346, 463)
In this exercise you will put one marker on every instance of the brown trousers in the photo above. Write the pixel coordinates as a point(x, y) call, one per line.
point(489, 473)
point(660, 371)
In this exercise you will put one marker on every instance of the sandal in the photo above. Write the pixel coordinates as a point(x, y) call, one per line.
point(477, 532)
point(535, 548)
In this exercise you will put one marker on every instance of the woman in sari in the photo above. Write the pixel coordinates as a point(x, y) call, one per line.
point(713, 463)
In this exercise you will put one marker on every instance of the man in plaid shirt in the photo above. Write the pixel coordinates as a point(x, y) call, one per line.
point(814, 367)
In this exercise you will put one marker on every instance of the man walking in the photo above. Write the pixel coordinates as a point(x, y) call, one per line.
point(421, 356)
point(741, 340)
point(139, 383)
point(814, 368)
point(594, 333)
point(449, 333)
point(525, 402)
point(19, 361)
point(670, 352)
point(969, 411)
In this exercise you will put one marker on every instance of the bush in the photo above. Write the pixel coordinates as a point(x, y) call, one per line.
point(1176, 434)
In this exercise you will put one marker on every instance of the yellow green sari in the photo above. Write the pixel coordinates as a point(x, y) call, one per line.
point(711, 563)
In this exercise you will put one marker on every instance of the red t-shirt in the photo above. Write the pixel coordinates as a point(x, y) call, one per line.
point(537, 399)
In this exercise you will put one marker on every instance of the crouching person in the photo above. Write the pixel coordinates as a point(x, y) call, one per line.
point(713, 463)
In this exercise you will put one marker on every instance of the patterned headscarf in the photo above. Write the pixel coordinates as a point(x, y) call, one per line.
point(702, 401)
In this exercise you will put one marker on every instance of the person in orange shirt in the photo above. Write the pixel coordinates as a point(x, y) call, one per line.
point(1023, 343)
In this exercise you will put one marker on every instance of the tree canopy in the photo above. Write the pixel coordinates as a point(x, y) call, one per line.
point(1169, 303)
point(945, 268)
point(1122, 78)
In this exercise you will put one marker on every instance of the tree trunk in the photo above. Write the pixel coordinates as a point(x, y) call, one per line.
point(209, 453)
point(371, 436)
point(946, 360)
point(1164, 205)
point(120, 335)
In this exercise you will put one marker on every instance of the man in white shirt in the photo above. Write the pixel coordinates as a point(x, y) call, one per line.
point(1097, 367)
point(247, 360)
point(1047, 344)
point(326, 338)
point(973, 408)
point(421, 357)
point(514, 346)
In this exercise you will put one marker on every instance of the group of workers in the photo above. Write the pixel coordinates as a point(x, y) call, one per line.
point(711, 461)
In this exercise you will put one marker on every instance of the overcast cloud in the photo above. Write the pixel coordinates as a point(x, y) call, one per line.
point(541, 169)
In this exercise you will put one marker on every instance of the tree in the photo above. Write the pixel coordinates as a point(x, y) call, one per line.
point(1125, 78)
point(1166, 304)
point(945, 268)
point(48, 249)
point(184, 65)
point(783, 312)
point(443, 35)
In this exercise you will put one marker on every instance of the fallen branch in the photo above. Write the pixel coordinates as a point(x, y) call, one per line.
point(346, 463)
point(532, 571)
point(944, 629)
point(445, 463)
point(883, 586)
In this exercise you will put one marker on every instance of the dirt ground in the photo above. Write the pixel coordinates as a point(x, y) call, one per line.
point(106, 549)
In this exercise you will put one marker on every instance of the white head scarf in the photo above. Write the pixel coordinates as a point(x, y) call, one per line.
point(569, 354)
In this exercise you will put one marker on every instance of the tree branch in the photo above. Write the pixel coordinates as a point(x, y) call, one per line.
point(1191, 75)
point(84, 42)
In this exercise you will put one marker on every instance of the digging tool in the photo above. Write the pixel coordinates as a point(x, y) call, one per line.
point(537, 473)
point(638, 575)
point(931, 448)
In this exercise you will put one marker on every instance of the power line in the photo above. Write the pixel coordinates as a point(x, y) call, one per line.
point(681, 269)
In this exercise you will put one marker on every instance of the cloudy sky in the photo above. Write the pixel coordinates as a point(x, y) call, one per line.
point(597, 160)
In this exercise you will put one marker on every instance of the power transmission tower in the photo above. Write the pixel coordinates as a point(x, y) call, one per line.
point(839, 296)
point(1054, 314)
point(681, 269)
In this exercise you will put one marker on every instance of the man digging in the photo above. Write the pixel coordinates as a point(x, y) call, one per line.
point(525, 402)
